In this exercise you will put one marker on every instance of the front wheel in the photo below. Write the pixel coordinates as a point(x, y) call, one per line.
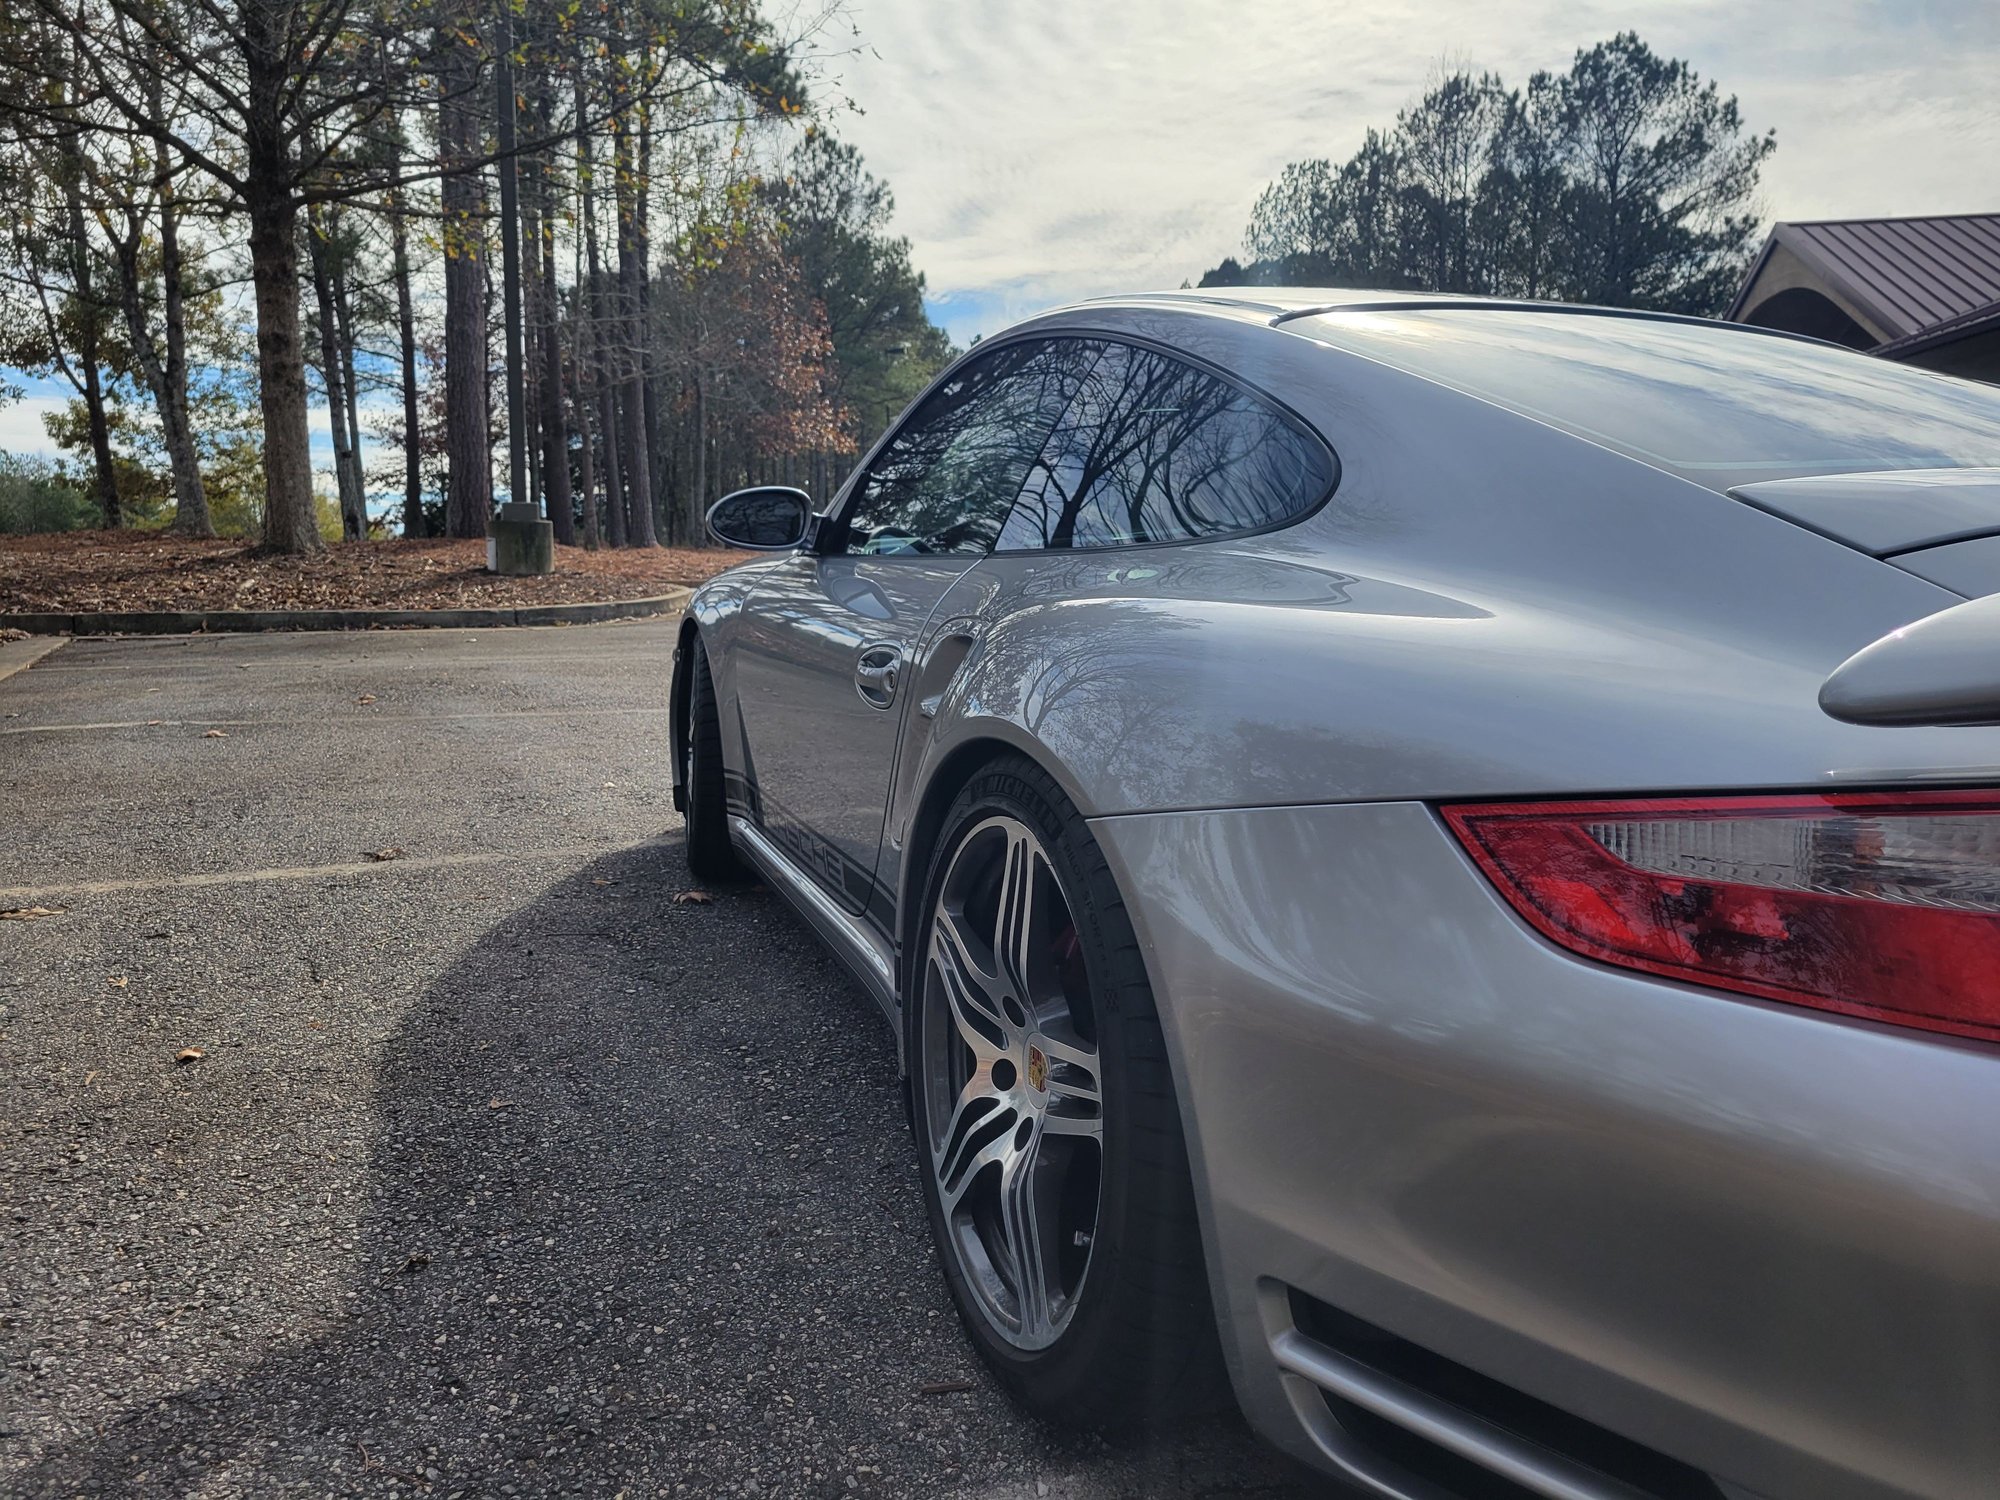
point(1054, 1166)
point(710, 854)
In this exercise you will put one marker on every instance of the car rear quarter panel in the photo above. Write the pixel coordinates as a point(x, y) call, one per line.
point(1761, 1239)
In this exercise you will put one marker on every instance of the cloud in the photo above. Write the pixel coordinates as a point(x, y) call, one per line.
point(21, 427)
point(1042, 150)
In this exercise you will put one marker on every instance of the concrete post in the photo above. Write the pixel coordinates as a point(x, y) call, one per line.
point(520, 540)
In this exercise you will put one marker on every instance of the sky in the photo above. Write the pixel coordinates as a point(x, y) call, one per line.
point(1043, 150)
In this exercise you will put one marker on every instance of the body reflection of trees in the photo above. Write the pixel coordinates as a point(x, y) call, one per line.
point(1091, 692)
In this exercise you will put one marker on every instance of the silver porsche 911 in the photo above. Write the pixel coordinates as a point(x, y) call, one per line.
point(1434, 863)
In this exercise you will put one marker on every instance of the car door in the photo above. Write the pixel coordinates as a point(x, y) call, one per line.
point(1152, 457)
point(821, 647)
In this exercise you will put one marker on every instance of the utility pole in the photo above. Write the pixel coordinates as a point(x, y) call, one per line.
point(519, 539)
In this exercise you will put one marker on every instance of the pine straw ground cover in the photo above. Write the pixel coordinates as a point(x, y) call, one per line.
point(78, 571)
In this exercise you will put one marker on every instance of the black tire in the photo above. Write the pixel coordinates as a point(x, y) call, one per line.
point(710, 855)
point(1141, 1344)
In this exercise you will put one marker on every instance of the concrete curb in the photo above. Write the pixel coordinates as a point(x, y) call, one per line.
point(18, 656)
point(213, 621)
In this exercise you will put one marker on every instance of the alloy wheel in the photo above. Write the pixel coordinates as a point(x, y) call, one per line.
point(1011, 1085)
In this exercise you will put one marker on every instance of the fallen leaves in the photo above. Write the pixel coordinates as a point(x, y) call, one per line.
point(115, 570)
point(394, 851)
point(365, 698)
point(417, 1260)
point(216, 734)
point(496, 1102)
point(116, 981)
point(189, 1055)
point(692, 898)
point(30, 913)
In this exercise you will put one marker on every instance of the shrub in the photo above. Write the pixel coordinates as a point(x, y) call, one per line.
point(34, 498)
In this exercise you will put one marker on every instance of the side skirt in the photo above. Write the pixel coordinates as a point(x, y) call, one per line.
point(859, 947)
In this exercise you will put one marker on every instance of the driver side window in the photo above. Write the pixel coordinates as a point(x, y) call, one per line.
point(950, 474)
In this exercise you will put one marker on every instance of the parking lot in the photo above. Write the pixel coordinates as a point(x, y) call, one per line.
point(501, 1171)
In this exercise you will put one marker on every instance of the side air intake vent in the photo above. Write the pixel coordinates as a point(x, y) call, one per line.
point(1449, 1427)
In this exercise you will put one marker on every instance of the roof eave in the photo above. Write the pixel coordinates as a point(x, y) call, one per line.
point(1967, 325)
point(1756, 270)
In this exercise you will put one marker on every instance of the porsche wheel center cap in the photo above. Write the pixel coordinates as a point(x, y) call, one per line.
point(1038, 1070)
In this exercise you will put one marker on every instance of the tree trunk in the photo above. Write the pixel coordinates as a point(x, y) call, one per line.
point(467, 419)
point(406, 334)
point(343, 311)
point(89, 318)
point(190, 504)
point(289, 522)
point(649, 375)
point(582, 345)
point(593, 536)
point(531, 339)
point(614, 468)
point(599, 337)
point(102, 463)
point(632, 398)
point(353, 518)
point(520, 489)
point(698, 481)
point(191, 517)
point(555, 434)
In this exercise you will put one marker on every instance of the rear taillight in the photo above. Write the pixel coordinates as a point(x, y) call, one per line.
point(1884, 905)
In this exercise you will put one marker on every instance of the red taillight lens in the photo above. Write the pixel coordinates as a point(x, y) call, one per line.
point(1884, 905)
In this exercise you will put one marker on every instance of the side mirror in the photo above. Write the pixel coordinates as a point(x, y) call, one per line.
point(764, 518)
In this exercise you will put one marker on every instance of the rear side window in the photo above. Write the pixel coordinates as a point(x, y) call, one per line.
point(948, 476)
point(1154, 450)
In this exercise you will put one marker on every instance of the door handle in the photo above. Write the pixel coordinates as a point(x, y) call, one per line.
point(875, 675)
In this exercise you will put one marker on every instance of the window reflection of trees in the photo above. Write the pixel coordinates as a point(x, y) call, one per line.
point(945, 482)
point(1153, 450)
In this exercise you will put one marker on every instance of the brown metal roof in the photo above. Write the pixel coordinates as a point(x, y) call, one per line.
point(1909, 274)
point(1964, 326)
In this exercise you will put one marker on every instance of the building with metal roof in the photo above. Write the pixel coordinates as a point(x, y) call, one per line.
point(1922, 290)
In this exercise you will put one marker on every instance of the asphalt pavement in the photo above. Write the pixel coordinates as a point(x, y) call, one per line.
point(501, 1171)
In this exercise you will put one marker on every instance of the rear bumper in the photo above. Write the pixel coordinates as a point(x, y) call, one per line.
point(1763, 1242)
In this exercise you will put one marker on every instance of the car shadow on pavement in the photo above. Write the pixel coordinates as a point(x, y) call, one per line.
point(641, 1217)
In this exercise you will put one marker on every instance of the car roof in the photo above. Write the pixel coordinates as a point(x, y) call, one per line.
point(1275, 305)
point(1266, 303)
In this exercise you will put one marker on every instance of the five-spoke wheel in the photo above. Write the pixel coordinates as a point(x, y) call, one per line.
point(1011, 1082)
point(1045, 1113)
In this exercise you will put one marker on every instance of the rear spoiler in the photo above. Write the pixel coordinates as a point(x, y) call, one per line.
point(1942, 669)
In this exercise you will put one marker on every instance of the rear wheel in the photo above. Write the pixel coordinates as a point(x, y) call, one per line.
point(1054, 1166)
point(710, 855)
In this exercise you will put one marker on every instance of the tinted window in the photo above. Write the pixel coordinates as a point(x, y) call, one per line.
point(947, 478)
point(1153, 450)
point(1717, 404)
